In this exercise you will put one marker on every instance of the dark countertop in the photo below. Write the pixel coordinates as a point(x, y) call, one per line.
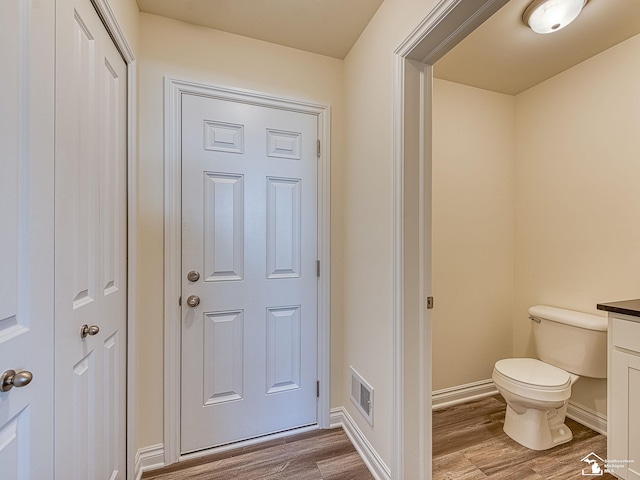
point(626, 307)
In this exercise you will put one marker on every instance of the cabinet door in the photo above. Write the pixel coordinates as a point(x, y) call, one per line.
point(633, 425)
point(624, 441)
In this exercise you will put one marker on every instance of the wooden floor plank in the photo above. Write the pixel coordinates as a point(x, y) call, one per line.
point(455, 466)
point(478, 420)
point(316, 455)
point(348, 466)
point(468, 444)
point(475, 431)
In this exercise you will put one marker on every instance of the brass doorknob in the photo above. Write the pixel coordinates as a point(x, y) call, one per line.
point(12, 379)
point(193, 301)
point(88, 330)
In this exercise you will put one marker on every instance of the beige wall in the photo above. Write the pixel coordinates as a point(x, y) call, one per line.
point(184, 51)
point(572, 260)
point(577, 194)
point(574, 188)
point(473, 224)
point(368, 201)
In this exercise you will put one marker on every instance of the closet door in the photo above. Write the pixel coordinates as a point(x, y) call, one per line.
point(26, 239)
point(90, 247)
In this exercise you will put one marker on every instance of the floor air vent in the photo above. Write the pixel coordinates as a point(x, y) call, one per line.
point(361, 395)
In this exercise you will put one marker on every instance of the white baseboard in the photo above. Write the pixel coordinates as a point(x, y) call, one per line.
point(339, 417)
point(485, 388)
point(462, 393)
point(587, 417)
point(149, 458)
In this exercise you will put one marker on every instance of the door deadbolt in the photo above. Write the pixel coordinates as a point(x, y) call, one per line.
point(88, 330)
point(193, 276)
point(12, 379)
point(193, 301)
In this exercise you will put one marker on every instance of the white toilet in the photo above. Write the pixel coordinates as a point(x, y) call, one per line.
point(569, 345)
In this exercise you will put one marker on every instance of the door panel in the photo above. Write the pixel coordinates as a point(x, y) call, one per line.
point(249, 227)
point(223, 359)
point(83, 429)
point(114, 408)
point(26, 239)
point(223, 227)
point(14, 446)
point(283, 349)
point(90, 236)
point(283, 227)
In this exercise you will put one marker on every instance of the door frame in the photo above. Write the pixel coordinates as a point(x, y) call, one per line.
point(110, 21)
point(174, 89)
point(444, 27)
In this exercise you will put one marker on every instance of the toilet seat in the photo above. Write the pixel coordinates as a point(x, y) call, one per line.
point(532, 378)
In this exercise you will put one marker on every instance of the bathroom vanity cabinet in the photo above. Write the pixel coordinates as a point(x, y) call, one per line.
point(623, 389)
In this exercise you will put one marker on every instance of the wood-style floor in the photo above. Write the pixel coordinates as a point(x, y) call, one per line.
point(317, 455)
point(469, 444)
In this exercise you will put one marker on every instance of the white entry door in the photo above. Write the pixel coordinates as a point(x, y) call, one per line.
point(249, 251)
point(90, 247)
point(26, 240)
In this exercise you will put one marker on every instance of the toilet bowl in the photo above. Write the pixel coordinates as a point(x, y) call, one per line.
point(569, 345)
point(537, 395)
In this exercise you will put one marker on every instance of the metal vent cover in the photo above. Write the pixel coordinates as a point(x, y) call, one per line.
point(361, 395)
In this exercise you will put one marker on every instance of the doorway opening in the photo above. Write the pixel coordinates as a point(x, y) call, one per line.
point(440, 31)
point(538, 164)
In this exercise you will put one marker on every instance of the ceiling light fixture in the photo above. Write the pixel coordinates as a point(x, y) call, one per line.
point(548, 16)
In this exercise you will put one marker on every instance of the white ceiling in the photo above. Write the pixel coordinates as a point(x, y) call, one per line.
point(504, 55)
point(327, 27)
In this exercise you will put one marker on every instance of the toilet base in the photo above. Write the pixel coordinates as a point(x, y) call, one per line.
point(537, 429)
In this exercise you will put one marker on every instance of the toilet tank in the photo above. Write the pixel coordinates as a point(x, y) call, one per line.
point(573, 341)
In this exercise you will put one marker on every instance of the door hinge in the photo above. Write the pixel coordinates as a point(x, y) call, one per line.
point(318, 389)
point(318, 148)
point(429, 303)
point(180, 301)
point(317, 268)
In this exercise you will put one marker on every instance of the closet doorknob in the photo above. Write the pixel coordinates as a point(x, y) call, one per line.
point(12, 379)
point(88, 330)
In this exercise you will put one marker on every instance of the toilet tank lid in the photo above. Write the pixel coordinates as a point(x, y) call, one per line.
point(569, 317)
